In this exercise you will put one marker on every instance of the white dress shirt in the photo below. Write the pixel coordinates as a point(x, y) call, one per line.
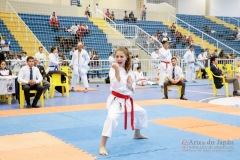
point(24, 75)
point(177, 71)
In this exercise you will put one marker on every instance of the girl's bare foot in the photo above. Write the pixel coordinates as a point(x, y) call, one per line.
point(140, 136)
point(103, 151)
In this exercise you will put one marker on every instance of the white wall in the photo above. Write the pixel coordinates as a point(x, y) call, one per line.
point(228, 8)
point(192, 7)
point(116, 4)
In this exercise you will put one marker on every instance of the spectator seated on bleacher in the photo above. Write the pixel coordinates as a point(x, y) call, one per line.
point(54, 22)
point(178, 36)
point(80, 30)
point(3, 69)
point(73, 29)
point(189, 40)
point(107, 14)
point(85, 29)
point(125, 17)
point(184, 41)
point(207, 29)
point(132, 17)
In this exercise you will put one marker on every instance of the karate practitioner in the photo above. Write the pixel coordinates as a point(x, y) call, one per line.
point(189, 58)
point(155, 63)
point(119, 101)
point(53, 59)
point(79, 64)
point(165, 59)
point(140, 79)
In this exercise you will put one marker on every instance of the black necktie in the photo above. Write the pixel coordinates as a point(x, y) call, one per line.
point(31, 74)
point(173, 73)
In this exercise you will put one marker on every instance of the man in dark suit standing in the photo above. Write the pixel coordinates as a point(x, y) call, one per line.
point(218, 81)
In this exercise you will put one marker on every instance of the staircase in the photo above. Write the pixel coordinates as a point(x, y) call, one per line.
point(219, 21)
point(197, 40)
point(21, 33)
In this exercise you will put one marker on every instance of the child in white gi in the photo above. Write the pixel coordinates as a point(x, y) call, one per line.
point(122, 86)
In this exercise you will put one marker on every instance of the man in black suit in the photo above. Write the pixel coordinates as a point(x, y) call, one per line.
point(218, 81)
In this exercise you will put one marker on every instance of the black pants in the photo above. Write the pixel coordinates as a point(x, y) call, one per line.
point(168, 83)
point(27, 89)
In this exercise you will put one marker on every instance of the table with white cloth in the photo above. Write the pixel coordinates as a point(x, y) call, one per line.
point(7, 86)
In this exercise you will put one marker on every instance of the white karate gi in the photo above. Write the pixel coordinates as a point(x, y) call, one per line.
point(165, 58)
point(189, 58)
point(97, 10)
point(41, 57)
point(53, 62)
point(80, 67)
point(116, 105)
point(140, 79)
point(155, 64)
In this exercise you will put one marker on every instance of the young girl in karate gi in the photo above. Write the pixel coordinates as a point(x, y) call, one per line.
point(122, 86)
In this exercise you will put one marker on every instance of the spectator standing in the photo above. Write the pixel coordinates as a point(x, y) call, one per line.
point(143, 12)
point(97, 10)
point(125, 17)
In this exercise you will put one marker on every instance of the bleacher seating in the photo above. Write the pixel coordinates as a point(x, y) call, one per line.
point(14, 46)
point(39, 24)
point(152, 26)
point(218, 31)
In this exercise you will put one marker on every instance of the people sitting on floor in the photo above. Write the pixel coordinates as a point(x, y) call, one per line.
point(3, 69)
point(30, 77)
point(140, 79)
point(218, 81)
point(54, 22)
point(174, 77)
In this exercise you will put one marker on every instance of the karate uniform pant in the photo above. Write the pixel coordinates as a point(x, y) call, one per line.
point(83, 79)
point(191, 72)
point(114, 111)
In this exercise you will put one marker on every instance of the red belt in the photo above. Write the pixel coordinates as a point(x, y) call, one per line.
point(125, 97)
point(166, 63)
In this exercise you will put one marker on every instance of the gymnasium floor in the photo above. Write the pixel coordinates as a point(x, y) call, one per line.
point(70, 128)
